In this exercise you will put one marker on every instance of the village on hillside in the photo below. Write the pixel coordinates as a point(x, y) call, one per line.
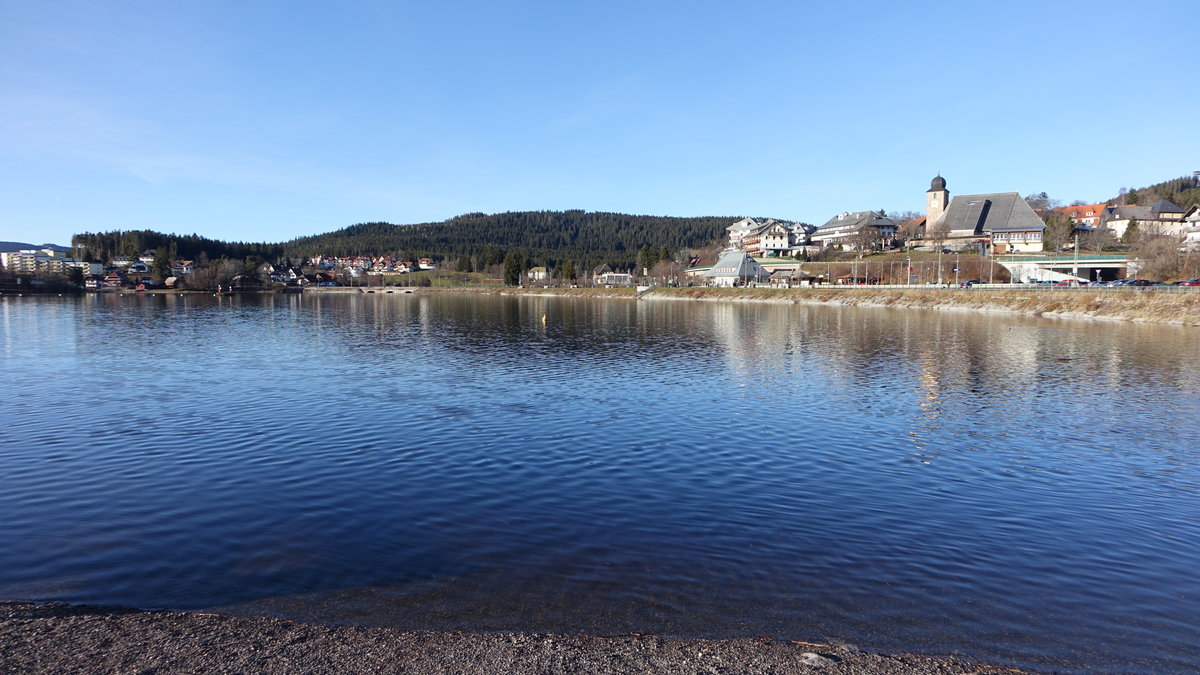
point(998, 237)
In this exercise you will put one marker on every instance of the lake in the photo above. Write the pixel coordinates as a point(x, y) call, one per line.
point(1014, 490)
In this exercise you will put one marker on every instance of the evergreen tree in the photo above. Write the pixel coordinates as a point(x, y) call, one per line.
point(162, 262)
point(644, 260)
point(514, 266)
point(1132, 233)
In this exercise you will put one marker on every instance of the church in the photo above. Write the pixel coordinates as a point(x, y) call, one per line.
point(996, 223)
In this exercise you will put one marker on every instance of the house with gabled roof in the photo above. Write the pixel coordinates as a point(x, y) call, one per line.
point(1191, 228)
point(1163, 217)
point(768, 237)
point(735, 267)
point(851, 229)
point(1087, 215)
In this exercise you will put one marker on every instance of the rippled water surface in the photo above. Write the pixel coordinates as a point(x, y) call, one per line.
point(1014, 490)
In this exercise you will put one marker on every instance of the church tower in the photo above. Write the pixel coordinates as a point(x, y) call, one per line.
point(936, 200)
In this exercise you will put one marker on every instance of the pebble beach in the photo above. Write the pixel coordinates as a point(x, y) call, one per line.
point(60, 638)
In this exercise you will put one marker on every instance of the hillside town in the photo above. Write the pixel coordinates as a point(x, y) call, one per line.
point(1002, 228)
point(1013, 238)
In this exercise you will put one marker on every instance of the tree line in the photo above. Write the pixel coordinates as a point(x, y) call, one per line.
point(475, 240)
point(104, 246)
point(544, 238)
point(1183, 191)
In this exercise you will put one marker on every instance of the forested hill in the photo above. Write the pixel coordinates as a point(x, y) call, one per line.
point(545, 237)
point(21, 246)
point(1183, 192)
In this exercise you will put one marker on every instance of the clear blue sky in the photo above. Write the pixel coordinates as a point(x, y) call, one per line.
point(261, 121)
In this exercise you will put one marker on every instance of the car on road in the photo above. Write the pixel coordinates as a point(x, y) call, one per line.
point(1189, 282)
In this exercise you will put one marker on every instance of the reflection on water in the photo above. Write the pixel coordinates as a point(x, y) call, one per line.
point(1016, 490)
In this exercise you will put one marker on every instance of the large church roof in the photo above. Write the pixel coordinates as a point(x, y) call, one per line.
point(996, 212)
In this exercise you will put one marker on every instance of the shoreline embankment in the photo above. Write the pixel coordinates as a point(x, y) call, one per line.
point(1137, 305)
point(1170, 306)
point(60, 638)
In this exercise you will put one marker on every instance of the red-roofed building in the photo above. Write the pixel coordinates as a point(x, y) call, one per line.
point(1085, 214)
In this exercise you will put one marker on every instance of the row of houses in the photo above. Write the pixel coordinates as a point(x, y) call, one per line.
point(987, 223)
point(1161, 217)
point(359, 264)
point(770, 238)
point(29, 261)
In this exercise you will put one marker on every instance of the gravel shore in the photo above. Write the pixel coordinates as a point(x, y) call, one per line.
point(65, 638)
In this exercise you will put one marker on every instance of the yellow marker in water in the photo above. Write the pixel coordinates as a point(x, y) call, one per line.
point(543, 319)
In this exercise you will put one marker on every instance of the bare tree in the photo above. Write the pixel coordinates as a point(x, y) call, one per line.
point(1058, 233)
point(219, 272)
point(937, 234)
point(1097, 240)
point(1159, 258)
point(1040, 201)
point(864, 239)
point(668, 270)
point(911, 230)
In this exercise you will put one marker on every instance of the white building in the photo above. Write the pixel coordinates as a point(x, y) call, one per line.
point(768, 238)
point(736, 268)
point(1161, 217)
point(852, 230)
point(28, 261)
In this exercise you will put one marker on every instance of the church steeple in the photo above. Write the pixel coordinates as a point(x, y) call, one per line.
point(936, 200)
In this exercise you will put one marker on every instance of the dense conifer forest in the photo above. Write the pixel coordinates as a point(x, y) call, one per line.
point(104, 246)
point(545, 237)
point(541, 237)
point(1184, 191)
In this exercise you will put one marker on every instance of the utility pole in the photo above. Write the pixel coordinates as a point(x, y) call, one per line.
point(1075, 265)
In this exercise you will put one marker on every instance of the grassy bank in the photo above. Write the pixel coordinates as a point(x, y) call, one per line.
point(1118, 305)
point(1148, 306)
